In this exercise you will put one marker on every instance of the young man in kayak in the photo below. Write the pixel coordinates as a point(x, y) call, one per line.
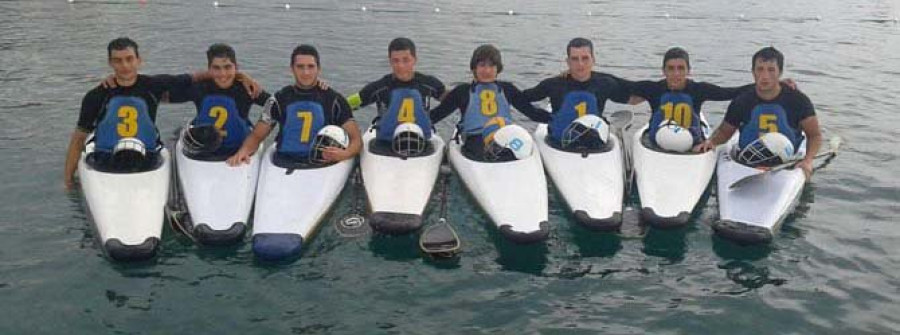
point(220, 102)
point(485, 103)
point(301, 111)
point(125, 112)
point(770, 108)
point(579, 91)
point(678, 100)
point(401, 96)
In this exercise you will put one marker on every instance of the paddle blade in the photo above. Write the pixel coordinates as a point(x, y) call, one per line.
point(440, 240)
point(621, 118)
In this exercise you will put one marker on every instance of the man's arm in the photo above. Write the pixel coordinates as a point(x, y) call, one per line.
point(76, 146)
point(332, 154)
point(260, 132)
point(518, 100)
point(722, 134)
point(810, 126)
point(251, 144)
point(341, 108)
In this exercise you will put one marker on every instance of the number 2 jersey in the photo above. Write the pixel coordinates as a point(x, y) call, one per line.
point(227, 109)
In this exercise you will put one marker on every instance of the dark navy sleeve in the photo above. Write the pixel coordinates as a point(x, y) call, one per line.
point(341, 108)
point(262, 98)
point(804, 106)
point(90, 109)
point(453, 101)
point(644, 89)
point(717, 93)
point(435, 86)
point(180, 94)
point(369, 93)
point(620, 91)
point(539, 92)
point(163, 83)
point(517, 99)
point(735, 113)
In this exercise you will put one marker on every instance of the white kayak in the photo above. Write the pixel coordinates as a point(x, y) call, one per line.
point(591, 183)
point(218, 197)
point(513, 193)
point(127, 208)
point(398, 188)
point(753, 212)
point(669, 183)
point(290, 204)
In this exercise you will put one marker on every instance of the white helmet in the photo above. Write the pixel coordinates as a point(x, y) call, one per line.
point(672, 137)
point(511, 140)
point(586, 132)
point(409, 140)
point(129, 154)
point(769, 149)
point(328, 136)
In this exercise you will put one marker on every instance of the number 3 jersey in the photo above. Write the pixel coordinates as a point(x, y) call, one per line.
point(113, 114)
point(301, 113)
point(754, 116)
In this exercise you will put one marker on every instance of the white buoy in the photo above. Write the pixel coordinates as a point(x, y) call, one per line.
point(667, 15)
point(71, 1)
point(818, 18)
point(363, 8)
point(287, 6)
point(510, 12)
point(590, 13)
point(896, 19)
point(741, 16)
point(437, 10)
point(215, 4)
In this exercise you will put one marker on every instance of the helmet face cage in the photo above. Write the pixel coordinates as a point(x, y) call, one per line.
point(129, 154)
point(202, 139)
point(579, 136)
point(758, 154)
point(319, 145)
point(408, 144)
point(495, 152)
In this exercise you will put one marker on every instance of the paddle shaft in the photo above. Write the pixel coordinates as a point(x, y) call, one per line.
point(835, 143)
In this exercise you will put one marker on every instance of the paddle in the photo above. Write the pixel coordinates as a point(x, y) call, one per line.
point(353, 224)
point(833, 145)
point(175, 208)
point(620, 121)
point(440, 239)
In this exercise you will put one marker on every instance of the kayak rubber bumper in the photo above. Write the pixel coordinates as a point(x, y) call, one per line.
point(665, 222)
point(526, 237)
point(121, 252)
point(611, 223)
point(742, 233)
point(208, 236)
point(395, 223)
point(274, 247)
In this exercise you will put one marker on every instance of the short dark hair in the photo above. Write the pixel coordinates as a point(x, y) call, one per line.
point(767, 54)
point(220, 50)
point(677, 53)
point(122, 43)
point(486, 52)
point(308, 50)
point(400, 44)
point(579, 42)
